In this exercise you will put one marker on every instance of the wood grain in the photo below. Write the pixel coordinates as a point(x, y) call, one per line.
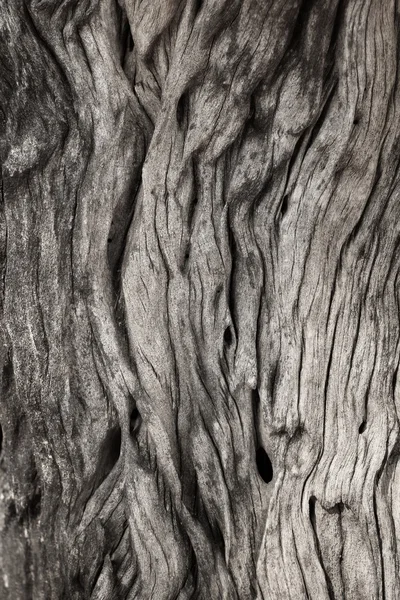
point(199, 256)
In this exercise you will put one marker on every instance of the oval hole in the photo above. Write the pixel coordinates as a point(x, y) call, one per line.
point(264, 465)
point(362, 427)
point(228, 338)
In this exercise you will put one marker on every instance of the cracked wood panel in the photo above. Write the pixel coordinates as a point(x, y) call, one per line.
point(199, 249)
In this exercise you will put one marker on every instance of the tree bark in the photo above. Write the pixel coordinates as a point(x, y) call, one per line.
point(199, 304)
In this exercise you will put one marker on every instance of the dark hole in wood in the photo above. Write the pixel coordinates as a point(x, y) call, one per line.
point(181, 110)
point(356, 121)
point(394, 380)
point(228, 338)
point(362, 427)
point(1, 440)
point(109, 240)
point(130, 43)
point(311, 504)
point(255, 395)
point(284, 205)
point(264, 465)
point(134, 420)
point(108, 456)
point(114, 447)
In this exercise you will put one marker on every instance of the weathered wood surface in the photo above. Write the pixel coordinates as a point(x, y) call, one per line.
point(199, 253)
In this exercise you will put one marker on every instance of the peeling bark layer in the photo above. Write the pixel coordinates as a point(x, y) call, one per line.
point(199, 255)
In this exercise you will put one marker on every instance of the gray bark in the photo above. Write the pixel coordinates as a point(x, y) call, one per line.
point(199, 299)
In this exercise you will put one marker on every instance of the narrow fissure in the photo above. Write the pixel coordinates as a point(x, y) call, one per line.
point(264, 465)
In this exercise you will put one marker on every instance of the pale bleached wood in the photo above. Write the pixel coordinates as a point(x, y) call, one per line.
point(199, 248)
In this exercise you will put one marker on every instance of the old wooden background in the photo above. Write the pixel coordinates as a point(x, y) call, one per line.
point(199, 299)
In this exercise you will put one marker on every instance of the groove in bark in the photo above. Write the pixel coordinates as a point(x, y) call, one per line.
point(199, 250)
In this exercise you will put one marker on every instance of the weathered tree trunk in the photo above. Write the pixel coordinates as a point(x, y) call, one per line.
point(199, 255)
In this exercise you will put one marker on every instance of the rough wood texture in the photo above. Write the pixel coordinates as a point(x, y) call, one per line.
point(199, 254)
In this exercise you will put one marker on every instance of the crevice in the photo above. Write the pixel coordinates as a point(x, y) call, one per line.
point(228, 337)
point(194, 200)
point(232, 279)
point(284, 205)
point(135, 420)
point(256, 400)
point(182, 109)
point(109, 454)
point(264, 465)
point(198, 5)
point(126, 43)
point(362, 427)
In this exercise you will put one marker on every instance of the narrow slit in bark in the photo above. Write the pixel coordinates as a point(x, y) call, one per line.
point(109, 455)
point(362, 427)
point(284, 205)
point(181, 110)
point(134, 420)
point(264, 465)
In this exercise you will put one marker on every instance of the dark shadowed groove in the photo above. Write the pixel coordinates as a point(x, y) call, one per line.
point(196, 191)
point(232, 277)
point(264, 465)
point(125, 34)
point(181, 110)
